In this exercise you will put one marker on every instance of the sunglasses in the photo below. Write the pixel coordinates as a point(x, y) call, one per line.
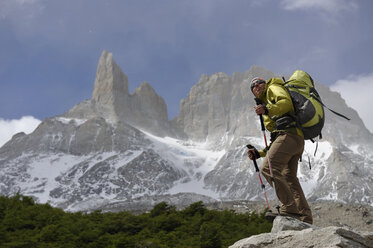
point(256, 82)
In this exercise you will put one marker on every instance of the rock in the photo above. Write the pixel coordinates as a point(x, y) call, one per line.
point(284, 223)
point(206, 107)
point(111, 84)
point(148, 110)
point(215, 106)
point(18, 135)
point(289, 232)
point(317, 208)
point(144, 109)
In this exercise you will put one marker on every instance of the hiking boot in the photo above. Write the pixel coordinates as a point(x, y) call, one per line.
point(304, 218)
point(295, 216)
point(307, 219)
point(270, 216)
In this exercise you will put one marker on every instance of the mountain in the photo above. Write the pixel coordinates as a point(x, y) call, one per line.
point(119, 148)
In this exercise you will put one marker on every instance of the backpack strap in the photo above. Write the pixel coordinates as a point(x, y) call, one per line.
point(334, 112)
point(294, 86)
point(317, 145)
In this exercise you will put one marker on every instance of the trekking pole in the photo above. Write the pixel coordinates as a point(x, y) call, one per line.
point(260, 178)
point(259, 102)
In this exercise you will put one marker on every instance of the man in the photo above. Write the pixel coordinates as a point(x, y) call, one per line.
point(286, 148)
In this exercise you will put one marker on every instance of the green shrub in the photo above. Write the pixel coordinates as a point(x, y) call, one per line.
point(24, 223)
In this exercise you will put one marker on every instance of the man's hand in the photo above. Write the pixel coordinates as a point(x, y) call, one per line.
point(252, 152)
point(260, 109)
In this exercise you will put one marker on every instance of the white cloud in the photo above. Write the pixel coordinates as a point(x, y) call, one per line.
point(328, 6)
point(8, 128)
point(20, 8)
point(21, 14)
point(357, 91)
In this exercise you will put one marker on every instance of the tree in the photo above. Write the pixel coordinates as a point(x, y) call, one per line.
point(210, 235)
point(195, 208)
point(162, 208)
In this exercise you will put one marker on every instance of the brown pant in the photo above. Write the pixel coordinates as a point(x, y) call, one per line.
point(284, 154)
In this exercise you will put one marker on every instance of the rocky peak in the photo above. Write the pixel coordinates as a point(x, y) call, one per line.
point(111, 83)
point(143, 109)
point(145, 90)
point(218, 105)
point(148, 109)
point(148, 100)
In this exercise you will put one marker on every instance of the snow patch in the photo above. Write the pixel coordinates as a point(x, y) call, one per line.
point(193, 186)
point(45, 168)
point(184, 154)
point(309, 178)
point(324, 149)
point(74, 121)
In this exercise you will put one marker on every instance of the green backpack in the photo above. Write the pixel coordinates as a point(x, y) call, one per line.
point(309, 109)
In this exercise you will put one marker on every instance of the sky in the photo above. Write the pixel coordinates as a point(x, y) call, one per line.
point(49, 50)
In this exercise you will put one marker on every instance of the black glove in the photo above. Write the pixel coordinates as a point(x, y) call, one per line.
point(253, 152)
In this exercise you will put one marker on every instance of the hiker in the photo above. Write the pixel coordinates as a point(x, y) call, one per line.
point(285, 149)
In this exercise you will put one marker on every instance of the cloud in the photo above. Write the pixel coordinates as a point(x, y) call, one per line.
point(8, 128)
point(329, 6)
point(22, 15)
point(357, 91)
point(16, 9)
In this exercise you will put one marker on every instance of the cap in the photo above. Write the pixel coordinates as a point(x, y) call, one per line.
point(255, 81)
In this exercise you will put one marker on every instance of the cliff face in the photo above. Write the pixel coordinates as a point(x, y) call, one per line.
point(220, 106)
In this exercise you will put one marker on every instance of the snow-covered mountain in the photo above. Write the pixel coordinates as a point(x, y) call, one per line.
point(119, 148)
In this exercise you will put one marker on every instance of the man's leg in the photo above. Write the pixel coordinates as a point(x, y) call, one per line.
point(295, 187)
point(279, 154)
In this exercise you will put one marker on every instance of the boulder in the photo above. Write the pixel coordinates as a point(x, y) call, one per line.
point(289, 232)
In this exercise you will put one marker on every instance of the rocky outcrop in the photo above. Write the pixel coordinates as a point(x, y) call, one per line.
point(348, 173)
point(288, 232)
point(206, 107)
point(63, 135)
point(218, 106)
point(111, 100)
point(111, 84)
point(148, 110)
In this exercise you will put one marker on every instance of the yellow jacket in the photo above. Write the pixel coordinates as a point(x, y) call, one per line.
point(278, 103)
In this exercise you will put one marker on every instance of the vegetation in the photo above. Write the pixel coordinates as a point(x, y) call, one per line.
point(23, 223)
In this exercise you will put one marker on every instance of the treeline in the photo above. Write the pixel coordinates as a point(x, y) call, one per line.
point(25, 224)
